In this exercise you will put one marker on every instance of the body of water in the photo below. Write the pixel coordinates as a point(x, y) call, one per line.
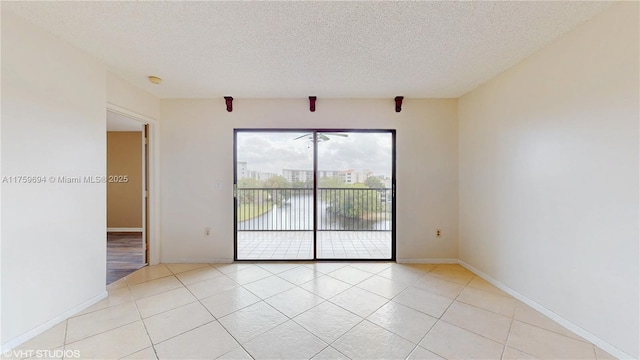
point(297, 214)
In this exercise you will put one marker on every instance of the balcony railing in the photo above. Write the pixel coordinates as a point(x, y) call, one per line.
point(291, 209)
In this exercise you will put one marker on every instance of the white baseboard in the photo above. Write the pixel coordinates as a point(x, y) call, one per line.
point(195, 261)
point(117, 229)
point(551, 315)
point(427, 261)
point(21, 339)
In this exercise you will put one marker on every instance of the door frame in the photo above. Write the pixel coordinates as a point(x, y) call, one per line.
point(153, 210)
point(314, 132)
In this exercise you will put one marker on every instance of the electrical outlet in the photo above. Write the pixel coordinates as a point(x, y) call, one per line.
point(438, 233)
point(207, 232)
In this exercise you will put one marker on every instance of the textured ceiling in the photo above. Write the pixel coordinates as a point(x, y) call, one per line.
point(297, 49)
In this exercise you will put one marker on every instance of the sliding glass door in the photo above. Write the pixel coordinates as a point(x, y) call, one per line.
point(314, 194)
point(273, 195)
point(354, 197)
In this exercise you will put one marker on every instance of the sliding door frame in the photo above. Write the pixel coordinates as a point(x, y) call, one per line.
point(314, 133)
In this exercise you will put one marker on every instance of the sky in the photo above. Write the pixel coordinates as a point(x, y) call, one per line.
point(274, 151)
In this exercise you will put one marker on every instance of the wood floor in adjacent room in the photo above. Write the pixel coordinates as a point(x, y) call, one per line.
point(125, 254)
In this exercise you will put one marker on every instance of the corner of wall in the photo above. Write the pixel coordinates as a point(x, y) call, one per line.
point(124, 94)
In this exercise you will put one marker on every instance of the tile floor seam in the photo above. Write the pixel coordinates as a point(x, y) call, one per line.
point(64, 340)
point(506, 344)
point(555, 332)
point(101, 332)
point(215, 319)
point(362, 319)
point(145, 328)
point(197, 300)
point(176, 273)
point(424, 336)
point(323, 349)
point(440, 319)
point(337, 350)
point(166, 311)
point(261, 298)
point(473, 332)
point(348, 331)
point(395, 333)
point(487, 310)
point(178, 334)
point(161, 292)
point(146, 281)
point(488, 292)
point(508, 334)
point(353, 285)
point(262, 333)
point(387, 300)
point(595, 353)
point(236, 340)
point(481, 308)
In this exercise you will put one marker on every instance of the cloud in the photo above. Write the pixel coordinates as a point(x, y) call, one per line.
point(274, 151)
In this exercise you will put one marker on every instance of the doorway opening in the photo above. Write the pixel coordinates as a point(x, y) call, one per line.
point(127, 195)
point(314, 194)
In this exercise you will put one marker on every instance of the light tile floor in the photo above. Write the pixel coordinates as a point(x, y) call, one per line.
point(308, 310)
point(289, 245)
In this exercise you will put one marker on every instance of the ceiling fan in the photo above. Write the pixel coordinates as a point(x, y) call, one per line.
point(321, 137)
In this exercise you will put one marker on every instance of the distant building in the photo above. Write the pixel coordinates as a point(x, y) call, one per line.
point(347, 176)
point(262, 176)
point(328, 173)
point(353, 177)
point(297, 175)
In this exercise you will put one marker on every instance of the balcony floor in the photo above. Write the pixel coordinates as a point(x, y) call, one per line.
point(289, 245)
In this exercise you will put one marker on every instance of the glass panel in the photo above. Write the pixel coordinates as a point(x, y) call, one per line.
point(354, 195)
point(274, 172)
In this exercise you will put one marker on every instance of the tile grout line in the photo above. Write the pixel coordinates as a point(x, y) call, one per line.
point(64, 341)
point(215, 319)
point(142, 321)
point(437, 319)
point(366, 317)
point(504, 348)
point(441, 315)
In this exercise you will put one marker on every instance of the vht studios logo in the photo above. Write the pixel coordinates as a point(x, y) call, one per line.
point(42, 354)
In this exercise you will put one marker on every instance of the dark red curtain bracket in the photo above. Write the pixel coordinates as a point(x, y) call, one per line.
point(398, 100)
point(312, 103)
point(229, 101)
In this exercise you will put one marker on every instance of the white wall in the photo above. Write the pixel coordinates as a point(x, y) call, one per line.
point(549, 177)
point(197, 151)
point(53, 124)
point(128, 96)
